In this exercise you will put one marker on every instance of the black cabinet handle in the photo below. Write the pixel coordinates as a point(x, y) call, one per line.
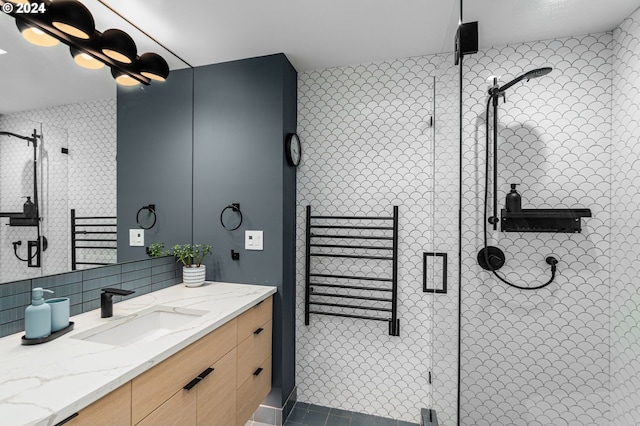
point(68, 419)
point(205, 373)
point(192, 383)
point(257, 372)
point(258, 331)
point(195, 381)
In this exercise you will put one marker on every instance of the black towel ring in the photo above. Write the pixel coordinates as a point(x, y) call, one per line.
point(236, 208)
point(152, 210)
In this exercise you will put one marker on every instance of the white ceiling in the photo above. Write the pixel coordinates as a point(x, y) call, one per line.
point(314, 34)
point(326, 33)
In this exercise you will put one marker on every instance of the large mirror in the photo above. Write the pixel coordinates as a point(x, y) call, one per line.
point(72, 168)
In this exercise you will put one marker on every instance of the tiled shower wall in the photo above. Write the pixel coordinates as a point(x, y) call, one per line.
point(539, 357)
point(625, 232)
point(16, 183)
point(84, 179)
point(367, 146)
point(83, 287)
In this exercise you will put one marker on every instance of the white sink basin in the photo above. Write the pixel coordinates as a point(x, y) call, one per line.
point(145, 326)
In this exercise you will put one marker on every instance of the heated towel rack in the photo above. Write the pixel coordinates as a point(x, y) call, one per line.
point(352, 267)
point(91, 233)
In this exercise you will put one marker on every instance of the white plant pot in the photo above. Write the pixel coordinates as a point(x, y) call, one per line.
point(194, 276)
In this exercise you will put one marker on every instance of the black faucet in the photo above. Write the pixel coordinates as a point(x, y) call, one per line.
point(106, 300)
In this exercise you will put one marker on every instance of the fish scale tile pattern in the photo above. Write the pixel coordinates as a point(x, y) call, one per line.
point(625, 241)
point(16, 167)
point(368, 145)
point(84, 179)
point(539, 357)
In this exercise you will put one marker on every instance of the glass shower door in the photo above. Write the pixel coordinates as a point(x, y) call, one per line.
point(55, 221)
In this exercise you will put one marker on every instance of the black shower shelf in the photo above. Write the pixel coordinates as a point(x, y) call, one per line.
point(544, 220)
point(23, 221)
point(18, 219)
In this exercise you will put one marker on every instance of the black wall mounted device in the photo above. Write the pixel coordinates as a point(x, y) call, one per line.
point(466, 41)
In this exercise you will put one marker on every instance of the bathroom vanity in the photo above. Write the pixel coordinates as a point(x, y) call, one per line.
point(179, 355)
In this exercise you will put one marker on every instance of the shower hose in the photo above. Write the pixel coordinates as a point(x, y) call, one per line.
point(550, 260)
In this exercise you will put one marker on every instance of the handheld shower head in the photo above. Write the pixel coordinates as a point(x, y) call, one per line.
point(537, 73)
point(526, 76)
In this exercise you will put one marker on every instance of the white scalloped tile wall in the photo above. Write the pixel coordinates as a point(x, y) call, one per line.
point(366, 147)
point(539, 357)
point(625, 242)
point(84, 179)
point(16, 167)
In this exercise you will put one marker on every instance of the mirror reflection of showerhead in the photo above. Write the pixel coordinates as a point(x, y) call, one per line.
point(526, 76)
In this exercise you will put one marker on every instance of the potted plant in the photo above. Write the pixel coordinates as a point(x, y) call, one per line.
point(156, 250)
point(191, 256)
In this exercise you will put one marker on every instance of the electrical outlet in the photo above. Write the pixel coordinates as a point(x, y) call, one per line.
point(136, 237)
point(253, 240)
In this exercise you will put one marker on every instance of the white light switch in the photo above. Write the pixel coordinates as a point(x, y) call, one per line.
point(136, 237)
point(253, 240)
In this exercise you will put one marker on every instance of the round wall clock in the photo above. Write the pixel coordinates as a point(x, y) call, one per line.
point(293, 149)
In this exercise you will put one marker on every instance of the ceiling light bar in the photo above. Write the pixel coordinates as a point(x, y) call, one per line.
point(71, 23)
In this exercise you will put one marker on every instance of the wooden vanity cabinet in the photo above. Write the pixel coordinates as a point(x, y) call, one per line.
point(229, 370)
point(254, 359)
point(154, 387)
point(113, 408)
point(180, 409)
point(216, 401)
point(207, 403)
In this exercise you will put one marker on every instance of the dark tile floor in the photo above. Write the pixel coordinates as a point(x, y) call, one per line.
point(316, 415)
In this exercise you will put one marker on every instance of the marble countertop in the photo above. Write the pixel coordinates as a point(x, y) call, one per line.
point(44, 384)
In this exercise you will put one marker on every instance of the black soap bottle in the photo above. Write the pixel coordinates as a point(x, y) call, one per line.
point(513, 202)
point(29, 208)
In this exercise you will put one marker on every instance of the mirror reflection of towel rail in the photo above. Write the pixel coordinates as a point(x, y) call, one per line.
point(98, 234)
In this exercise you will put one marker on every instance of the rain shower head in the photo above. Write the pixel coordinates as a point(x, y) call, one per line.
point(526, 76)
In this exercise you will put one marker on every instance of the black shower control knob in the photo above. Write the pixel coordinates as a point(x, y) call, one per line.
point(491, 258)
point(495, 261)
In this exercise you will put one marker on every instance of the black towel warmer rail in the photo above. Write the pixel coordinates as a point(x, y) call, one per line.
point(381, 245)
point(96, 233)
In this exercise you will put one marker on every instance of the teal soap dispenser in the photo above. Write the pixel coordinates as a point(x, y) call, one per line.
point(37, 316)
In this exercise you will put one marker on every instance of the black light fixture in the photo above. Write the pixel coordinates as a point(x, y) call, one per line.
point(154, 66)
point(119, 46)
point(85, 60)
point(70, 22)
point(72, 18)
point(123, 79)
point(35, 35)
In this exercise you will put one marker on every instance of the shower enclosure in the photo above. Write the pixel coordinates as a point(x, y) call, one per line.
point(495, 355)
point(565, 353)
point(33, 237)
